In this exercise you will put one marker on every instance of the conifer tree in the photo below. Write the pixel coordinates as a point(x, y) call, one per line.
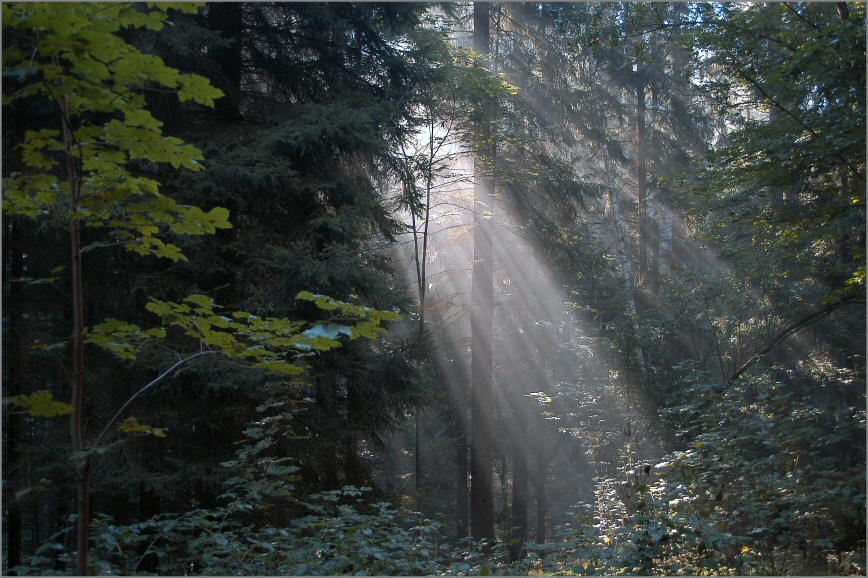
point(72, 57)
point(306, 172)
point(482, 307)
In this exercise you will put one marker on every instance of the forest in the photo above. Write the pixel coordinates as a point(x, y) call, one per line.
point(456, 288)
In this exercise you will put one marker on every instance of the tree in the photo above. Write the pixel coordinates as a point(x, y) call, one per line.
point(677, 360)
point(309, 175)
point(482, 307)
point(789, 166)
point(642, 173)
point(425, 157)
point(88, 170)
point(71, 56)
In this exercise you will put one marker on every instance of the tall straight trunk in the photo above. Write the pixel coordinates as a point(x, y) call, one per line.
point(420, 255)
point(642, 222)
point(354, 471)
point(13, 360)
point(777, 197)
point(625, 269)
point(679, 59)
point(461, 489)
point(81, 462)
point(14, 345)
point(526, 375)
point(546, 450)
point(541, 506)
point(325, 408)
point(518, 534)
point(653, 213)
point(417, 455)
point(666, 245)
point(626, 275)
point(457, 376)
point(482, 309)
point(655, 255)
point(539, 480)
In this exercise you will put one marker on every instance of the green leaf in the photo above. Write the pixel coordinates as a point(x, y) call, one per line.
point(120, 338)
point(198, 89)
point(204, 302)
point(141, 118)
point(132, 425)
point(36, 144)
point(41, 404)
point(72, 51)
point(194, 221)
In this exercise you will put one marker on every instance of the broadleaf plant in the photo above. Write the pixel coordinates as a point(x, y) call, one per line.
point(86, 171)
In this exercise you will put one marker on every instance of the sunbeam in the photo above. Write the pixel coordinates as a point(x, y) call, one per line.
point(545, 351)
point(401, 288)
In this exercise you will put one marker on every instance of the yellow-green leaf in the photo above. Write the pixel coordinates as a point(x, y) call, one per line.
point(41, 404)
point(132, 425)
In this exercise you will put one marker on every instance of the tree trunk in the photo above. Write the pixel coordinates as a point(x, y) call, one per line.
point(417, 455)
point(420, 255)
point(541, 505)
point(13, 357)
point(461, 489)
point(525, 375)
point(666, 245)
point(540, 483)
point(546, 452)
point(843, 11)
point(625, 271)
point(642, 208)
point(326, 412)
point(653, 213)
point(81, 462)
point(456, 375)
point(518, 534)
point(481, 314)
point(14, 345)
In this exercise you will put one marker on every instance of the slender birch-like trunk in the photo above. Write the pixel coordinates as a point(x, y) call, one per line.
point(81, 461)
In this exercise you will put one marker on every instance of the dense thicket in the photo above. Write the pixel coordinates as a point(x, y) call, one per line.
point(674, 195)
point(325, 97)
point(299, 159)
